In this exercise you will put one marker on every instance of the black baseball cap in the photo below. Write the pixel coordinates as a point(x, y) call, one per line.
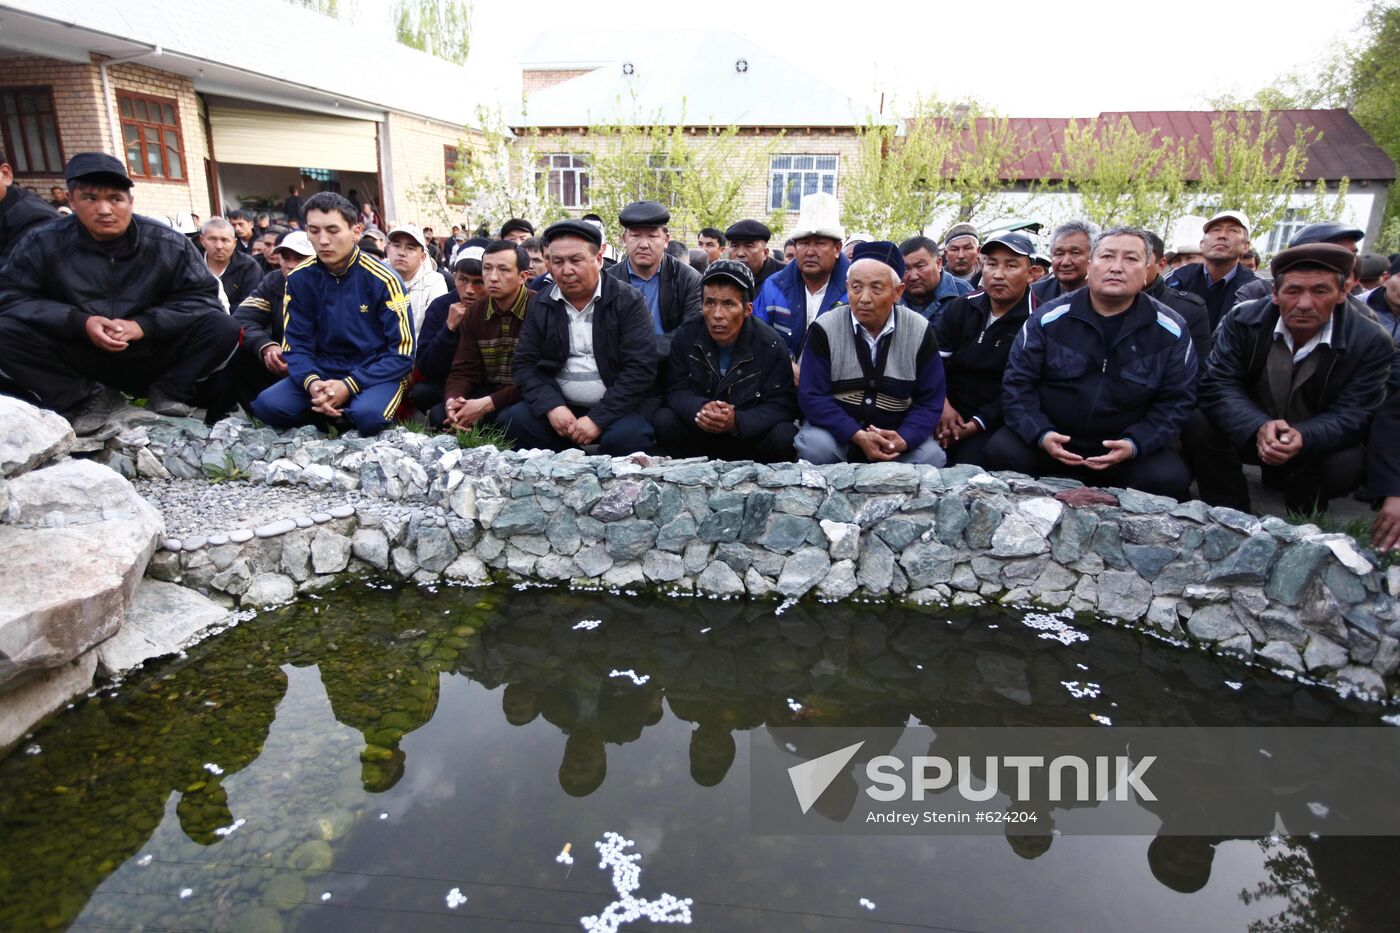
point(1018, 243)
point(730, 270)
point(97, 168)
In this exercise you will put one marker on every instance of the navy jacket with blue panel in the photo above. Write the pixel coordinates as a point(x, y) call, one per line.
point(782, 301)
point(1061, 377)
point(355, 326)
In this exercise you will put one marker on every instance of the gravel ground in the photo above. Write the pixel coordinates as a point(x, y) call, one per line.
point(200, 507)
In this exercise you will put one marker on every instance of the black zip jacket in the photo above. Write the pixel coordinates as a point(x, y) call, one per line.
point(58, 276)
point(1191, 308)
point(974, 359)
point(622, 345)
point(260, 314)
point(758, 382)
point(241, 277)
point(1061, 377)
point(19, 211)
point(1345, 390)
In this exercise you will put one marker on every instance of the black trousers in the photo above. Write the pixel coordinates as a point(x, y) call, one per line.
point(1163, 473)
point(972, 449)
point(1308, 481)
point(62, 370)
point(678, 439)
point(237, 384)
point(427, 398)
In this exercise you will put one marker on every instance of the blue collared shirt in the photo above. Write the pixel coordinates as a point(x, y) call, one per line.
point(651, 292)
point(1205, 272)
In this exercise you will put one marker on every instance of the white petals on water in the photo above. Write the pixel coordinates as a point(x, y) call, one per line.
point(636, 678)
point(455, 898)
point(626, 878)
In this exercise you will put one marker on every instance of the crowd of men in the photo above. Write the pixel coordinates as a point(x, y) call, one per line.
point(1107, 358)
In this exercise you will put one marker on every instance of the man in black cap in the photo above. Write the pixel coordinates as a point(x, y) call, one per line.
point(20, 209)
point(1326, 231)
point(1219, 277)
point(975, 335)
point(927, 290)
point(517, 230)
point(669, 286)
point(748, 243)
point(585, 363)
point(871, 385)
point(960, 255)
point(104, 300)
point(729, 389)
point(1370, 267)
point(1099, 384)
point(1291, 384)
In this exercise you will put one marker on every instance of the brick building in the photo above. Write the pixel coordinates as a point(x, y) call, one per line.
point(216, 106)
point(799, 132)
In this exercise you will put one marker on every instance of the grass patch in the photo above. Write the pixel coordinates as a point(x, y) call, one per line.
point(1359, 529)
point(479, 435)
point(228, 473)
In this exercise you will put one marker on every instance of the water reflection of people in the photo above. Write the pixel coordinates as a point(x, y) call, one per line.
point(519, 704)
point(584, 765)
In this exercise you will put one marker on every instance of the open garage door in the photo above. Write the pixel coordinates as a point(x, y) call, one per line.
point(271, 136)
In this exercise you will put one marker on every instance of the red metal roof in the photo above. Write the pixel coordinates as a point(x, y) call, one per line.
point(1343, 148)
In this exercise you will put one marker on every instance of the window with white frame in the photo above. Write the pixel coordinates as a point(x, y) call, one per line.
point(792, 177)
point(566, 177)
point(1286, 229)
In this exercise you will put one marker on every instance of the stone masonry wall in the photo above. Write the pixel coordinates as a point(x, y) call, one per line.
point(1290, 597)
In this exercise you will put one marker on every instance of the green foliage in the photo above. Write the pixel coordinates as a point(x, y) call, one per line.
point(438, 27)
point(228, 473)
point(944, 159)
point(1250, 168)
point(495, 179)
point(701, 173)
point(479, 435)
point(1123, 176)
point(329, 8)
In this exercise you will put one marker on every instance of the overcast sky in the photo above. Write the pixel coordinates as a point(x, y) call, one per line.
point(1023, 58)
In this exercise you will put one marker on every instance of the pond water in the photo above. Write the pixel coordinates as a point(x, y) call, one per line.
point(386, 758)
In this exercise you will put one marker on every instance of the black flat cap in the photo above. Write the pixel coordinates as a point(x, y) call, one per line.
point(880, 251)
point(644, 214)
point(730, 270)
point(1326, 232)
point(748, 230)
point(516, 223)
point(578, 228)
point(1328, 257)
point(97, 167)
point(1371, 266)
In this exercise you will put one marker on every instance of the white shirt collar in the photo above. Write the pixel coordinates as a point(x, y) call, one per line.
point(557, 295)
point(873, 342)
point(1321, 338)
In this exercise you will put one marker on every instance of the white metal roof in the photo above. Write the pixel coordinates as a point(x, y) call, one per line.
point(705, 77)
point(268, 50)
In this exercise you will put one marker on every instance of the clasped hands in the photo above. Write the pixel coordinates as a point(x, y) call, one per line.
point(1277, 442)
point(579, 430)
point(1053, 443)
point(112, 334)
point(879, 444)
point(328, 396)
